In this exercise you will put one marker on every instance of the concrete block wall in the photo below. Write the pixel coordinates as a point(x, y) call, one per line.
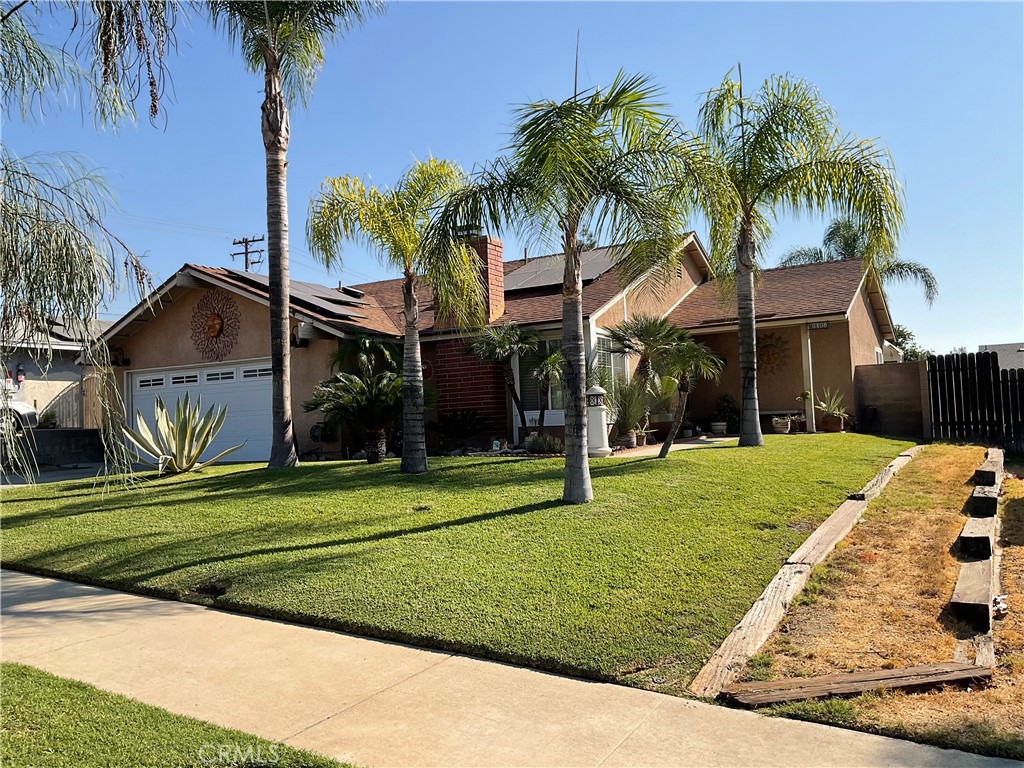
point(895, 391)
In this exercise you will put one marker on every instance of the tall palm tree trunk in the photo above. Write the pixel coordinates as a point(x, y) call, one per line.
point(414, 438)
point(577, 489)
point(750, 418)
point(684, 391)
point(276, 130)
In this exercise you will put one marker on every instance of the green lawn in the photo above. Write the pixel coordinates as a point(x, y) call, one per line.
point(50, 722)
point(478, 556)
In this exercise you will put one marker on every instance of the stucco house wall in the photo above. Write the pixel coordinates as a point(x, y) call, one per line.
point(165, 341)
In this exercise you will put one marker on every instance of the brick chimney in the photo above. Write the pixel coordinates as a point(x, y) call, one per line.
point(493, 270)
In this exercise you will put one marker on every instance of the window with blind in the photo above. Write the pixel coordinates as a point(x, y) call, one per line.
point(529, 385)
point(610, 365)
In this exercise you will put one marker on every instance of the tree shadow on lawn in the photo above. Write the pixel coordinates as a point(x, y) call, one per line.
point(119, 567)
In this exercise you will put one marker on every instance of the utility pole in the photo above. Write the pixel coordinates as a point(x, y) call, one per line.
point(248, 253)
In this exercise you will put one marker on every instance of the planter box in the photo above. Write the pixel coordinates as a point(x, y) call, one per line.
point(831, 423)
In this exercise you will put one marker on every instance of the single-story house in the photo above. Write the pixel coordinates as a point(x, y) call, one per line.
point(50, 381)
point(206, 331)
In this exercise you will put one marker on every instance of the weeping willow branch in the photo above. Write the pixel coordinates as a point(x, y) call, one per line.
point(59, 260)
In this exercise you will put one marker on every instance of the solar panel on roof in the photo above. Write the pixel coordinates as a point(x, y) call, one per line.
point(548, 270)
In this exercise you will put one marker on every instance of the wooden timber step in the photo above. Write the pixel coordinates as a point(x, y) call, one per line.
point(985, 501)
point(972, 596)
point(853, 683)
point(991, 470)
point(978, 537)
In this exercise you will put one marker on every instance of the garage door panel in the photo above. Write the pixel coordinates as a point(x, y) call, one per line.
point(245, 390)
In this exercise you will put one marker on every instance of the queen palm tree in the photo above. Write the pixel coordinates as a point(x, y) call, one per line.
point(845, 241)
point(283, 40)
point(395, 222)
point(592, 164)
point(782, 151)
point(686, 362)
point(502, 344)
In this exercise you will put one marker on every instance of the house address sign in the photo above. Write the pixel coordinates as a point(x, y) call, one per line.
point(819, 325)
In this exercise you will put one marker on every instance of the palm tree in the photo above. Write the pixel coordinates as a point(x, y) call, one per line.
point(687, 361)
point(845, 241)
point(783, 151)
point(648, 337)
point(368, 401)
point(548, 372)
point(592, 166)
point(363, 352)
point(501, 344)
point(284, 41)
point(395, 222)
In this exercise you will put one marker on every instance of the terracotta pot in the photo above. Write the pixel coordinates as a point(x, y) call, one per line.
point(831, 423)
point(641, 438)
point(781, 427)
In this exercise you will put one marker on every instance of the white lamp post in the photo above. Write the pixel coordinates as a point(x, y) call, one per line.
point(597, 423)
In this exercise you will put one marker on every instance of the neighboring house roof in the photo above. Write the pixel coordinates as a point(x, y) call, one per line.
point(60, 336)
point(787, 293)
point(1010, 355)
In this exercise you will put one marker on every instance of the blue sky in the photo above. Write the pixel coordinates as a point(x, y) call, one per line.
point(941, 84)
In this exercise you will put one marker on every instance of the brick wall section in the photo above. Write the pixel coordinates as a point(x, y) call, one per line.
point(465, 383)
point(894, 389)
point(493, 273)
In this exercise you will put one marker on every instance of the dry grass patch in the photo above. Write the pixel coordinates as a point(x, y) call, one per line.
point(882, 601)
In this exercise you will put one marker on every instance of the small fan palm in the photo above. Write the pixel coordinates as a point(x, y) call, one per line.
point(501, 344)
point(179, 440)
point(646, 336)
point(783, 151)
point(395, 222)
point(845, 241)
point(686, 362)
point(369, 401)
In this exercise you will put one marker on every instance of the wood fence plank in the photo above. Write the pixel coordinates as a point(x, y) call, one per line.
point(908, 678)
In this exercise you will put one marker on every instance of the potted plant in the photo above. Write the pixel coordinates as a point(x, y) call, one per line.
point(687, 427)
point(781, 424)
point(833, 413)
point(726, 417)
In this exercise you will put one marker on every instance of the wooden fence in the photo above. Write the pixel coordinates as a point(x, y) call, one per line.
point(973, 400)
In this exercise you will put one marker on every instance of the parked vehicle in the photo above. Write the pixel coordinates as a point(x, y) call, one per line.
point(15, 415)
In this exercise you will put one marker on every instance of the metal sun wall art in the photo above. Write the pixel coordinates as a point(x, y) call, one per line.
point(772, 353)
point(215, 324)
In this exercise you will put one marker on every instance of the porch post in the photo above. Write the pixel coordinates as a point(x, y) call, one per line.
point(805, 355)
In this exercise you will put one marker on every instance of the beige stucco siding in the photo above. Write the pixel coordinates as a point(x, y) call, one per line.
point(865, 336)
point(166, 341)
point(650, 298)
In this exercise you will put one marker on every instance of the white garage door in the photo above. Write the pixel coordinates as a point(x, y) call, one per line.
point(245, 389)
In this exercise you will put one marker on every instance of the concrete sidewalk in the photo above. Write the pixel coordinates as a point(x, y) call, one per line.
point(384, 704)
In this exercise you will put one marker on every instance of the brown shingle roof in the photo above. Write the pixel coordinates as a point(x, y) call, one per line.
point(531, 306)
point(781, 293)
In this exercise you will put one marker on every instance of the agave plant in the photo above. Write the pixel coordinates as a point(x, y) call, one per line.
point(182, 438)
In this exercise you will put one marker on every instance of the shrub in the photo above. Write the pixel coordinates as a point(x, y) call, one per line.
point(180, 440)
point(544, 443)
point(729, 412)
